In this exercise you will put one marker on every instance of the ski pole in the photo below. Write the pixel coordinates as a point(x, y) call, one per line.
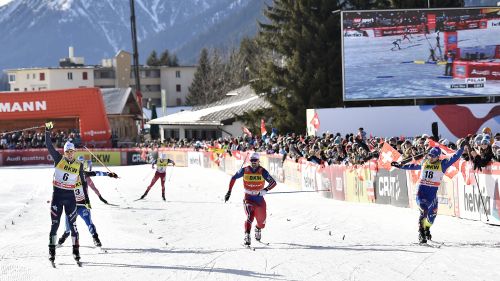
point(21, 130)
point(480, 195)
point(98, 159)
point(171, 172)
point(148, 175)
point(301, 191)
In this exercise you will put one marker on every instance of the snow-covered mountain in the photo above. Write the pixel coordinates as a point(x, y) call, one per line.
point(38, 32)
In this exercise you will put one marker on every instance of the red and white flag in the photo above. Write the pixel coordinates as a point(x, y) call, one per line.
point(263, 130)
point(246, 131)
point(387, 155)
point(315, 121)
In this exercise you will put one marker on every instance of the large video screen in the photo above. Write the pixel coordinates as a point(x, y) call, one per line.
point(421, 53)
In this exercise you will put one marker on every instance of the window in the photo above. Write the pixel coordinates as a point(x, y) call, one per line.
point(12, 78)
point(27, 76)
point(178, 87)
point(33, 76)
point(178, 74)
point(16, 89)
point(42, 76)
point(70, 75)
point(179, 101)
point(84, 75)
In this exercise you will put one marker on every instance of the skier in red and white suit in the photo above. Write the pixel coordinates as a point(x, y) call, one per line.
point(254, 179)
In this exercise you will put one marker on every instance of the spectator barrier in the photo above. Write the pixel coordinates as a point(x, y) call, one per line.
point(458, 194)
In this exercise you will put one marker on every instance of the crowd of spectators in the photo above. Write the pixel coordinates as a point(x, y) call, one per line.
point(326, 149)
point(36, 139)
point(351, 149)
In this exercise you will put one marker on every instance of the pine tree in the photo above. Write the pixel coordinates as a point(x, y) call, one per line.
point(154, 130)
point(152, 59)
point(302, 64)
point(173, 60)
point(197, 91)
point(164, 58)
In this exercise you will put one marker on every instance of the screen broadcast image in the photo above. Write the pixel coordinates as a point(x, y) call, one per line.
point(426, 53)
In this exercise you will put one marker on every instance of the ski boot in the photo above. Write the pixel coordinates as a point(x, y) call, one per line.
point(258, 233)
point(428, 235)
point(76, 253)
point(62, 239)
point(247, 239)
point(143, 196)
point(52, 253)
point(97, 242)
point(421, 233)
point(163, 196)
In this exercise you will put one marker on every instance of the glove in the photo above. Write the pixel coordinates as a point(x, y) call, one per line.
point(112, 175)
point(87, 205)
point(228, 194)
point(49, 126)
point(396, 164)
point(263, 192)
point(103, 200)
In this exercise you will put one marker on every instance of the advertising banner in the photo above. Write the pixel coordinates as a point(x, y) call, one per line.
point(179, 157)
point(86, 104)
point(391, 188)
point(480, 195)
point(195, 159)
point(26, 157)
point(276, 167)
point(454, 120)
point(292, 174)
point(308, 176)
point(355, 186)
point(135, 158)
point(337, 181)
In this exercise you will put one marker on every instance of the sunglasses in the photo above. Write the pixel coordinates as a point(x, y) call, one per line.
point(254, 160)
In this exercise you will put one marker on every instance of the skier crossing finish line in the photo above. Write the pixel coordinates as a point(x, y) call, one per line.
point(254, 178)
point(432, 172)
point(67, 193)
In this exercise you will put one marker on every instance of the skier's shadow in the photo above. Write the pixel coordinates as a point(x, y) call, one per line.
point(207, 269)
point(355, 247)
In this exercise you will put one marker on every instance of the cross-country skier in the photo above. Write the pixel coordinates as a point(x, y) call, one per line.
point(432, 172)
point(254, 179)
point(161, 169)
point(82, 210)
point(396, 44)
point(405, 35)
point(66, 192)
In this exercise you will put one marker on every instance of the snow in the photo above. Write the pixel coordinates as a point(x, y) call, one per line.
point(193, 116)
point(4, 2)
point(196, 236)
point(372, 70)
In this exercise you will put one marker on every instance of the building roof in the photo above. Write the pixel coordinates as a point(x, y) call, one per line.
point(120, 101)
point(238, 101)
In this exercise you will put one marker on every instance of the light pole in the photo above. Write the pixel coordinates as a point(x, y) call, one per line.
point(136, 59)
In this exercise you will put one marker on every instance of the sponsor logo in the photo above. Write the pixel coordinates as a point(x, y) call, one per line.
point(480, 72)
point(473, 202)
point(23, 106)
point(94, 133)
point(103, 157)
point(460, 70)
point(389, 186)
point(195, 161)
point(494, 23)
point(475, 80)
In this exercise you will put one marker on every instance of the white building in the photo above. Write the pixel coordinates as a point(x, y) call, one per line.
point(211, 121)
point(111, 73)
